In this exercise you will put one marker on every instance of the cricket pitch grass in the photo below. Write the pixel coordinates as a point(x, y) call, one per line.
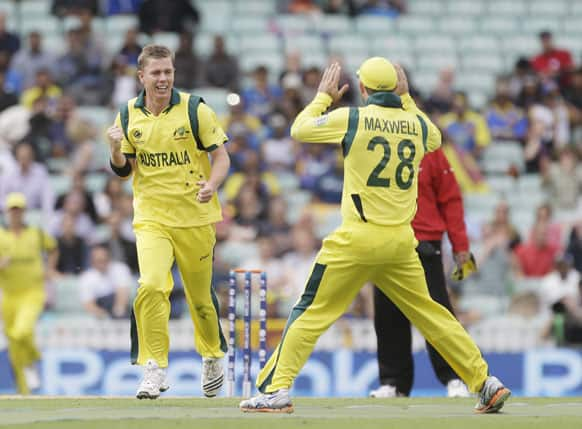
point(336, 413)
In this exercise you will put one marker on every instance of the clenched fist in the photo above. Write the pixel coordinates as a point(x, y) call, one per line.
point(115, 136)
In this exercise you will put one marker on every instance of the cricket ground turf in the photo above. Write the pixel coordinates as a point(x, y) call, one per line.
point(337, 413)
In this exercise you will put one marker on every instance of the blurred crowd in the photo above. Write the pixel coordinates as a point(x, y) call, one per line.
point(282, 196)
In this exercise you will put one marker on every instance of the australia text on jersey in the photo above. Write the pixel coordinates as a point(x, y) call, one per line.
point(163, 159)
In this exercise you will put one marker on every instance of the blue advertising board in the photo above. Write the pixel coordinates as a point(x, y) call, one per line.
point(342, 373)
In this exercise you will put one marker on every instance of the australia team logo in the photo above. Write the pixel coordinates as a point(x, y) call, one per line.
point(137, 135)
point(181, 133)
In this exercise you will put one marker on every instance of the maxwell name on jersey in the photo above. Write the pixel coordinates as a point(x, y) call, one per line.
point(388, 126)
point(163, 159)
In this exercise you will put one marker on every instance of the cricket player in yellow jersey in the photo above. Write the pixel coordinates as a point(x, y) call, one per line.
point(166, 138)
point(383, 143)
point(22, 276)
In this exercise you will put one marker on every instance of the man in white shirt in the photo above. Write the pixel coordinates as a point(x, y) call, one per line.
point(105, 287)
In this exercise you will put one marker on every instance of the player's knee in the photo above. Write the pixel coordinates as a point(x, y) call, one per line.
point(152, 291)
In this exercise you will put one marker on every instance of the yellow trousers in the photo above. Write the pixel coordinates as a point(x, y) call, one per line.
point(157, 248)
point(21, 310)
point(385, 256)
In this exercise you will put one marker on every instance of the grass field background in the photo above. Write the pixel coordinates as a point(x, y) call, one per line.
point(223, 413)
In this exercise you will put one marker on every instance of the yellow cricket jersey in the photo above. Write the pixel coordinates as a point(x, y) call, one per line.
point(383, 144)
point(172, 154)
point(25, 251)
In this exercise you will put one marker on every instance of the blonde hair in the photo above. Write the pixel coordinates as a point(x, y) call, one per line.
point(153, 51)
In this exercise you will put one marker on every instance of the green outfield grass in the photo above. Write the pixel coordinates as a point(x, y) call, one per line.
point(360, 413)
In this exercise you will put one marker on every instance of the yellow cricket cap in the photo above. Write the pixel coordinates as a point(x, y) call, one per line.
point(15, 200)
point(379, 74)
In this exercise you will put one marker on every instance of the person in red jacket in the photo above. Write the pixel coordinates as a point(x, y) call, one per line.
point(552, 62)
point(440, 209)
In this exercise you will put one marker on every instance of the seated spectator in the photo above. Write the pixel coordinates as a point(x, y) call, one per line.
point(221, 68)
point(292, 67)
point(552, 113)
point(563, 180)
point(162, 15)
point(535, 258)
point(31, 179)
point(83, 134)
point(329, 186)
point(466, 128)
point(261, 98)
point(574, 247)
point(561, 284)
point(61, 144)
point(441, 98)
point(573, 97)
point(73, 251)
point(189, 68)
point(79, 185)
point(276, 227)
point(291, 102)
point(121, 247)
point(552, 62)
point(131, 48)
point(249, 213)
point(28, 62)
point(9, 42)
point(313, 161)
point(238, 116)
point(279, 150)
point(43, 87)
point(554, 230)
point(504, 119)
point(311, 79)
point(7, 97)
point(74, 206)
point(123, 83)
point(109, 199)
point(106, 286)
point(252, 174)
point(522, 72)
point(12, 79)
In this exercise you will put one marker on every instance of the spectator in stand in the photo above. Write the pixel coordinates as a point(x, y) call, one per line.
point(122, 81)
point(329, 186)
point(74, 206)
point(12, 79)
point(313, 161)
point(221, 68)
point(279, 150)
point(7, 97)
point(9, 42)
point(250, 211)
point(535, 258)
point(293, 66)
point(80, 70)
point(522, 71)
point(277, 227)
point(189, 68)
point(441, 98)
point(291, 102)
point(73, 251)
point(563, 180)
point(574, 247)
point(109, 199)
point(106, 286)
point(552, 112)
point(62, 8)
point(131, 48)
point(79, 185)
point(311, 78)
point(573, 97)
point(170, 16)
point(44, 87)
point(552, 62)
point(28, 62)
point(466, 128)
point(252, 175)
point(560, 285)
point(261, 98)
point(61, 144)
point(504, 119)
point(537, 148)
point(544, 215)
point(121, 245)
point(239, 118)
point(31, 179)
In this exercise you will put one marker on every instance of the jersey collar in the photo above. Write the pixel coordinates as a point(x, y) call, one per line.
point(140, 102)
point(385, 99)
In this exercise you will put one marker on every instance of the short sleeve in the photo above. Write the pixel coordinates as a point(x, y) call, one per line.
point(48, 242)
point(126, 147)
point(210, 132)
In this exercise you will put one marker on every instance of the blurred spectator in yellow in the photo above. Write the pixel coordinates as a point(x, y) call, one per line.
point(106, 286)
point(43, 87)
point(465, 128)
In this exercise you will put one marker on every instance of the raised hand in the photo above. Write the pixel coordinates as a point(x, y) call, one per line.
point(115, 136)
point(330, 81)
point(402, 84)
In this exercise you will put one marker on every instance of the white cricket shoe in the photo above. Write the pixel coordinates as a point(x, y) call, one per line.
point(384, 391)
point(276, 402)
point(457, 389)
point(32, 377)
point(153, 382)
point(212, 376)
point(492, 396)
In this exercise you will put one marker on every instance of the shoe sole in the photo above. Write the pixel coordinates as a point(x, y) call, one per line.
point(164, 389)
point(285, 410)
point(211, 388)
point(146, 395)
point(496, 403)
